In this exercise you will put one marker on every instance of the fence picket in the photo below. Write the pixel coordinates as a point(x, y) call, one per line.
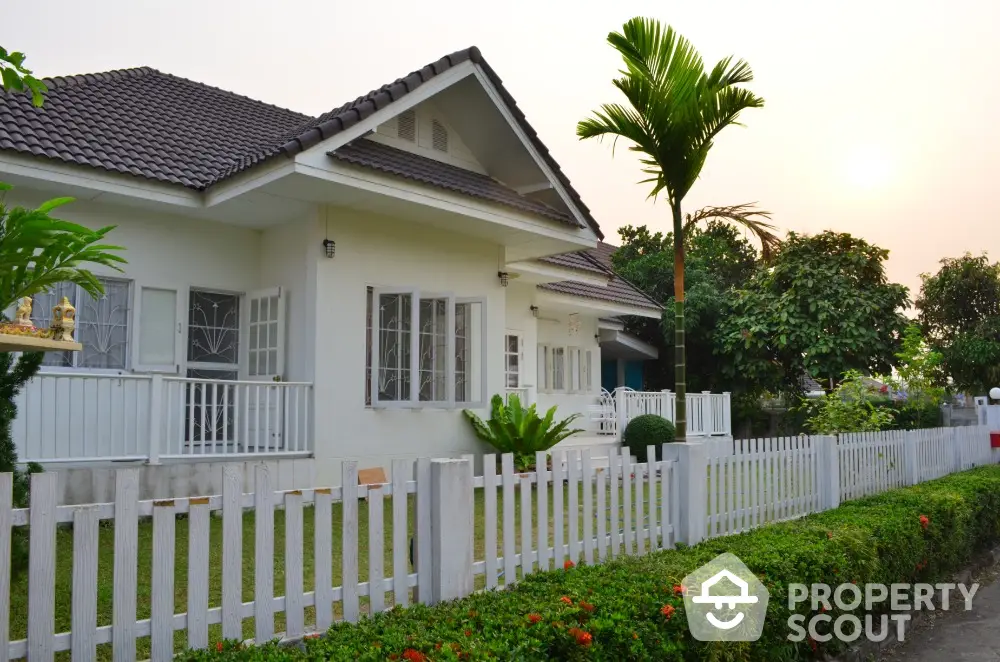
point(232, 553)
point(490, 518)
point(6, 520)
point(263, 605)
point(507, 476)
point(614, 472)
point(573, 504)
point(162, 597)
point(376, 553)
point(294, 608)
point(323, 561)
point(542, 474)
point(423, 543)
point(84, 619)
point(627, 499)
point(401, 470)
point(602, 540)
point(126, 562)
point(558, 551)
point(199, 528)
point(654, 481)
point(640, 519)
point(588, 506)
point(526, 537)
point(349, 542)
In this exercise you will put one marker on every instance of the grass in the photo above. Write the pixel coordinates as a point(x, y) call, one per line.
point(64, 566)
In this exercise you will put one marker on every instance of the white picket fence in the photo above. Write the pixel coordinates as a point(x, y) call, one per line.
point(708, 414)
point(424, 550)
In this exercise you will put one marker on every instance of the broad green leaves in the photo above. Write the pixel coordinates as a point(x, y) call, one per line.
point(38, 251)
point(17, 78)
point(513, 428)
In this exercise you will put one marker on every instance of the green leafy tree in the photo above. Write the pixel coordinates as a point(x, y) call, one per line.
point(959, 309)
point(849, 408)
point(15, 77)
point(675, 109)
point(824, 306)
point(514, 428)
point(919, 369)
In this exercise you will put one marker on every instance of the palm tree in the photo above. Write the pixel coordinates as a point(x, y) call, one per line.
point(745, 216)
point(675, 109)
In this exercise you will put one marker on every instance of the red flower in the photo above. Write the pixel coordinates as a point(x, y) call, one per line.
point(582, 638)
point(568, 564)
point(468, 633)
point(925, 521)
point(822, 608)
point(812, 644)
point(586, 606)
point(635, 636)
point(414, 655)
point(534, 618)
point(668, 611)
point(679, 590)
point(314, 635)
point(218, 646)
point(566, 600)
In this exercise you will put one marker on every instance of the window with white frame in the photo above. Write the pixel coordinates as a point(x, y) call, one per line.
point(102, 324)
point(512, 360)
point(423, 349)
point(564, 369)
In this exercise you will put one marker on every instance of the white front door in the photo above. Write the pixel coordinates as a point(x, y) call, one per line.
point(265, 363)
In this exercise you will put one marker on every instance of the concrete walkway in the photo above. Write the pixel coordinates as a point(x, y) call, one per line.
point(957, 636)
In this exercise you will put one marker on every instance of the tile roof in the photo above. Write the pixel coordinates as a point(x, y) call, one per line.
point(370, 154)
point(165, 128)
point(598, 259)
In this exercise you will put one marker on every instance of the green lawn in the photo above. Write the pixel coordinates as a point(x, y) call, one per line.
point(64, 565)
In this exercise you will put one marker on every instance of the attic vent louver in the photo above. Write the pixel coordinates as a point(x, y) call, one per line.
point(406, 125)
point(439, 137)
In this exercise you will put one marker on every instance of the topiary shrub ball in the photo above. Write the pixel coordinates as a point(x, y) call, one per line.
point(646, 430)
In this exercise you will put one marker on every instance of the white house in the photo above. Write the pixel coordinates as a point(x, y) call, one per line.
point(311, 288)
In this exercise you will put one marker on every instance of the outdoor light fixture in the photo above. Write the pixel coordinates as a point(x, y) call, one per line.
point(330, 247)
point(503, 278)
point(995, 393)
point(534, 311)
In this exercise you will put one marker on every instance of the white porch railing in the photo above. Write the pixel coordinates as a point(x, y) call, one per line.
point(708, 414)
point(73, 417)
point(524, 394)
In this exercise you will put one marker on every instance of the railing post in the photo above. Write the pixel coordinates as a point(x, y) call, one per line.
point(530, 394)
point(621, 414)
point(451, 530)
point(692, 489)
point(727, 413)
point(911, 463)
point(155, 418)
point(828, 462)
point(665, 404)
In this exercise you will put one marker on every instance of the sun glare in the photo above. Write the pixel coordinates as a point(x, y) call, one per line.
point(868, 167)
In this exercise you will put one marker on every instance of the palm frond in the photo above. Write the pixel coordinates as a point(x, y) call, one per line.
point(745, 215)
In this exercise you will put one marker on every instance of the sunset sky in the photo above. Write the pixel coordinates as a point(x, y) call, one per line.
point(880, 116)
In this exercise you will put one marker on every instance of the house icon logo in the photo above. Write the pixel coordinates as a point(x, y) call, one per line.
point(725, 601)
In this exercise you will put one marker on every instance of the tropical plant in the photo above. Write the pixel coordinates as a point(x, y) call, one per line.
point(38, 251)
point(851, 407)
point(674, 112)
point(516, 429)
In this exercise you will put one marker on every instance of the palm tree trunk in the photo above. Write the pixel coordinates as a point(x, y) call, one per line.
point(680, 357)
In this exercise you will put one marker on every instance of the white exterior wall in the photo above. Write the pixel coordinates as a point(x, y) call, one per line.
point(378, 251)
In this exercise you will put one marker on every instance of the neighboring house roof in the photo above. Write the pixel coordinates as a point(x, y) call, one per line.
point(161, 127)
point(370, 154)
point(808, 384)
point(598, 260)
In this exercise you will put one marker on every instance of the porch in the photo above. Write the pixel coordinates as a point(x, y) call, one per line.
point(708, 414)
point(72, 417)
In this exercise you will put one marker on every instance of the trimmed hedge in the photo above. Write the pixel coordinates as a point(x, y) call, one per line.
point(647, 430)
point(616, 611)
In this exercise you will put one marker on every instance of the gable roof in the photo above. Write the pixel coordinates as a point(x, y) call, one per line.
point(598, 260)
point(165, 128)
point(370, 154)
